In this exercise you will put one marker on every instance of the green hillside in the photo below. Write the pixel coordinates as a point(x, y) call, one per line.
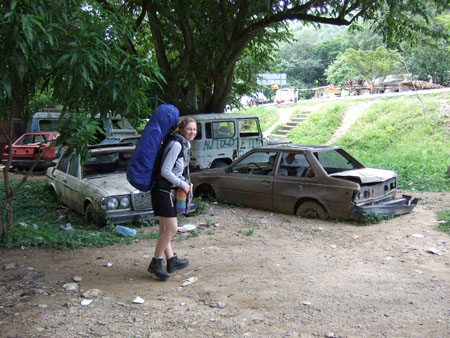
point(408, 134)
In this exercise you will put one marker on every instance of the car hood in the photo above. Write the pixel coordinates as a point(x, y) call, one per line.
point(112, 184)
point(366, 175)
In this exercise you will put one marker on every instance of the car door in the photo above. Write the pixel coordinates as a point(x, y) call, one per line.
point(59, 174)
point(250, 181)
point(295, 179)
point(72, 183)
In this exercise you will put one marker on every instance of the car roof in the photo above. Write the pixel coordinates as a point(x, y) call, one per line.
point(57, 114)
point(107, 148)
point(122, 137)
point(41, 133)
point(223, 116)
point(298, 147)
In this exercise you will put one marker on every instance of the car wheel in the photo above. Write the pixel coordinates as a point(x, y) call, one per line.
point(91, 215)
point(52, 190)
point(205, 191)
point(311, 209)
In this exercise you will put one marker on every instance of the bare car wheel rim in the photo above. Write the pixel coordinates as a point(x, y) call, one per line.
point(311, 210)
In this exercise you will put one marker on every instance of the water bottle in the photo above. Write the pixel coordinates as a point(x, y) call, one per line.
point(125, 231)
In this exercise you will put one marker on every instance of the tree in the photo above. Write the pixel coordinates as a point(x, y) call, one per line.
point(429, 58)
point(368, 64)
point(78, 51)
point(198, 43)
point(340, 71)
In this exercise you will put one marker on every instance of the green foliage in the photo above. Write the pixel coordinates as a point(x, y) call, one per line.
point(200, 207)
point(305, 59)
point(444, 216)
point(368, 64)
point(340, 71)
point(36, 223)
point(386, 137)
point(202, 45)
point(429, 58)
point(430, 62)
point(60, 49)
point(79, 131)
point(320, 125)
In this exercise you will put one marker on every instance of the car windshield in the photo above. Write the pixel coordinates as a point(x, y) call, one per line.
point(336, 160)
point(105, 163)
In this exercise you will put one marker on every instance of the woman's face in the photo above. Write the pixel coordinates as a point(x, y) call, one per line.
point(189, 131)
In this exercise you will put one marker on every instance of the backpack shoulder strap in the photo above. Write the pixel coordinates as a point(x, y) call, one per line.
point(178, 138)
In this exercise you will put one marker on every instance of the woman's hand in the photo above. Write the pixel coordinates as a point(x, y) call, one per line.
point(187, 187)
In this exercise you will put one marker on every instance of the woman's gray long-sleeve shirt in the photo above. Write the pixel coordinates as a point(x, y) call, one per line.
point(173, 165)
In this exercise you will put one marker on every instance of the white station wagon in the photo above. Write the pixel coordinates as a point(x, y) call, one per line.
point(99, 189)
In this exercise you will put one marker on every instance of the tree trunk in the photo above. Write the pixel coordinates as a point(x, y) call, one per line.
point(222, 87)
point(448, 171)
point(8, 215)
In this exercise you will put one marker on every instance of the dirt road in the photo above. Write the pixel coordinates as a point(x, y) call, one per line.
point(255, 274)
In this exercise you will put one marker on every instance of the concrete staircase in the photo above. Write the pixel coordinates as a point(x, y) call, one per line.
point(283, 132)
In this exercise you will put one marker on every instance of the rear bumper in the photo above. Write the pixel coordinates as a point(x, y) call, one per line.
point(393, 207)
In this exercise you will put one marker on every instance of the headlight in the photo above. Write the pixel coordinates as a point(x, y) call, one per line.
point(115, 202)
point(124, 202)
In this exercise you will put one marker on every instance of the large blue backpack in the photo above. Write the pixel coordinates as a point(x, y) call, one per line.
point(161, 124)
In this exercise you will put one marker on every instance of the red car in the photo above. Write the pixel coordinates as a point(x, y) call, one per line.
point(26, 150)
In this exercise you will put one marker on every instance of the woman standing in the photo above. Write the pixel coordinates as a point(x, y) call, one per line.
point(174, 165)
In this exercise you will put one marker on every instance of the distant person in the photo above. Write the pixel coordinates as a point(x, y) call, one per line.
point(174, 174)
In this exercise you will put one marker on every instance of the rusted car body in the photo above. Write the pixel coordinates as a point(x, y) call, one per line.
point(315, 181)
point(98, 189)
point(27, 148)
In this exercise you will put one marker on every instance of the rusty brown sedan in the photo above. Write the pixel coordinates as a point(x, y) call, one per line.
point(315, 181)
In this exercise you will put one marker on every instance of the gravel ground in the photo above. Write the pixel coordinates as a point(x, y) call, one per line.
point(252, 274)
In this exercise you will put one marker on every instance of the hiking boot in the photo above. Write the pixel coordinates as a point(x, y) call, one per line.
point(176, 263)
point(157, 268)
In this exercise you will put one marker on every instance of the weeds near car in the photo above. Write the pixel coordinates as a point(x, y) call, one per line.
point(231, 204)
point(444, 224)
point(373, 219)
point(250, 231)
point(251, 226)
point(39, 220)
point(200, 207)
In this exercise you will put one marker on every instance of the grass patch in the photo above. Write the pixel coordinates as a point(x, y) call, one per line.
point(320, 125)
point(37, 223)
point(444, 216)
point(395, 134)
point(277, 128)
point(267, 116)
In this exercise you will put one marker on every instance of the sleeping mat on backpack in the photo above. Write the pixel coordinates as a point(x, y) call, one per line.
point(140, 167)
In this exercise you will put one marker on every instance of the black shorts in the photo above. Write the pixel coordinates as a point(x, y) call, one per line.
point(163, 202)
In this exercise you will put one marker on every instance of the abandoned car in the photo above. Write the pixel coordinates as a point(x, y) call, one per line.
point(98, 189)
point(131, 140)
point(27, 148)
point(314, 181)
